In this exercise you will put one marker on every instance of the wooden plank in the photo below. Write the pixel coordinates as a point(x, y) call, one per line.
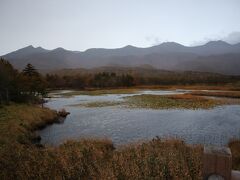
point(235, 175)
point(217, 161)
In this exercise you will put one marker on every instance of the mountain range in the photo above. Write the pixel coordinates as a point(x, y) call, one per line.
point(214, 56)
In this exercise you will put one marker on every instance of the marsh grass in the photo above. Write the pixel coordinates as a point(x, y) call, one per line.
point(98, 92)
point(17, 121)
point(178, 101)
point(132, 90)
point(227, 94)
point(92, 158)
point(96, 159)
point(224, 87)
point(96, 104)
point(87, 158)
point(183, 101)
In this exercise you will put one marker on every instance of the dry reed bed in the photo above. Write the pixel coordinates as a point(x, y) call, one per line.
point(18, 121)
point(181, 101)
point(97, 92)
point(96, 159)
point(87, 158)
point(227, 94)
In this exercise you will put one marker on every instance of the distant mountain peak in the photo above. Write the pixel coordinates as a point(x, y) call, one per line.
point(59, 49)
point(40, 48)
point(129, 46)
point(168, 56)
point(32, 48)
point(26, 51)
point(218, 42)
point(170, 44)
point(28, 47)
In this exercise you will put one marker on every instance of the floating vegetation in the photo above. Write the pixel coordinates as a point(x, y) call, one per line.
point(97, 92)
point(96, 104)
point(179, 101)
point(183, 101)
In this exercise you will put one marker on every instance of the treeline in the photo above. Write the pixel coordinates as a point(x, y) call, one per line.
point(25, 86)
point(31, 86)
point(99, 80)
point(111, 79)
point(186, 78)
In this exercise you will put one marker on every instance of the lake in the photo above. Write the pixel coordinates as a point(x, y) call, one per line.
point(125, 125)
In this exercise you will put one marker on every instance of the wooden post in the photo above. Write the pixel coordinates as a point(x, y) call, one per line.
point(217, 162)
point(235, 175)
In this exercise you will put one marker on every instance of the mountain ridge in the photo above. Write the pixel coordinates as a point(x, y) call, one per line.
point(167, 55)
point(127, 46)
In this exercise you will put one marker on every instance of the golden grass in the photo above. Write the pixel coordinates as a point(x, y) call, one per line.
point(95, 159)
point(18, 120)
point(161, 159)
point(227, 94)
point(91, 158)
point(97, 92)
point(135, 89)
point(183, 101)
point(96, 104)
point(225, 87)
point(178, 101)
point(87, 158)
point(189, 97)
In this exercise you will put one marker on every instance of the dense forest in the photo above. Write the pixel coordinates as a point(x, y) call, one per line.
point(25, 86)
point(99, 80)
point(125, 77)
point(31, 86)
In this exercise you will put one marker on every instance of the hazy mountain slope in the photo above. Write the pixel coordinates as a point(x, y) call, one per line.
point(144, 70)
point(24, 52)
point(224, 64)
point(169, 56)
point(57, 58)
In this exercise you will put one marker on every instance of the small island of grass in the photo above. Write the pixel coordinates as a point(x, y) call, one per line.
point(149, 101)
point(183, 101)
point(96, 92)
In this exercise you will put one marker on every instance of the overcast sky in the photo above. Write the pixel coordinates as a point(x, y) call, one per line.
point(83, 24)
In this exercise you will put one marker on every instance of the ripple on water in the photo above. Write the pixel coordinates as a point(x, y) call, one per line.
point(214, 126)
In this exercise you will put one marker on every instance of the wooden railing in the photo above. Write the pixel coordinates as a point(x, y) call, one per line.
point(217, 164)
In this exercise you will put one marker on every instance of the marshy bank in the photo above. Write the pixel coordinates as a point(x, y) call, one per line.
point(129, 115)
point(90, 158)
point(87, 158)
point(135, 89)
point(19, 121)
point(96, 158)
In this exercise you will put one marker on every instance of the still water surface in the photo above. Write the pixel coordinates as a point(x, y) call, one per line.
point(122, 125)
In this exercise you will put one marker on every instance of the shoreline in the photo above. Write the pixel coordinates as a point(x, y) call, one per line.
point(90, 157)
point(226, 87)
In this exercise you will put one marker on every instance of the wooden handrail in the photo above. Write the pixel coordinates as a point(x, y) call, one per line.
point(217, 164)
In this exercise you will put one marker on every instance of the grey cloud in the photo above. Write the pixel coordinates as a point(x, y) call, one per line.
point(153, 40)
point(232, 38)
